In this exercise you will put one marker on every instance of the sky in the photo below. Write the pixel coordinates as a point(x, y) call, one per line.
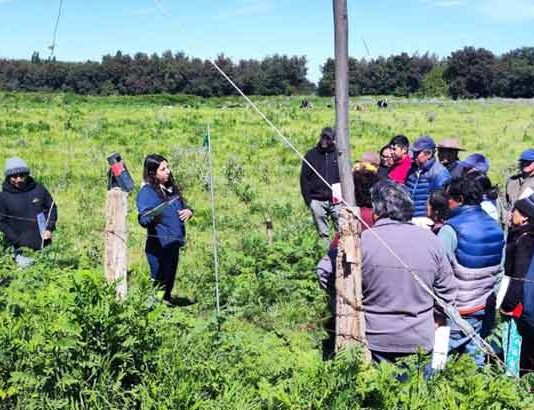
point(242, 29)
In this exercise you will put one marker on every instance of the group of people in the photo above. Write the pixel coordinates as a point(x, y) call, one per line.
point(439, 214)
point(448, 224)
point(28, 217)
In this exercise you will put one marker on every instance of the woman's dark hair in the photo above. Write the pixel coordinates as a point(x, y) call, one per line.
point(490, 191)
point(364, 179)
point(439, 202)
point(385, 147)
point(150, 167)
point(391, 200)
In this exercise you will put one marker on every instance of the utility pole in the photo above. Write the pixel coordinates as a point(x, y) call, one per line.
point(350, 320)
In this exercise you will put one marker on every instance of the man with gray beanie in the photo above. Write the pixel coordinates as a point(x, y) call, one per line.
point(28, 213)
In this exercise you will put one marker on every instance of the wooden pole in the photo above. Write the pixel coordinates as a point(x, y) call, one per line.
point(342, 100)
point(116, 255)
point(269, 230)
point(350, 320)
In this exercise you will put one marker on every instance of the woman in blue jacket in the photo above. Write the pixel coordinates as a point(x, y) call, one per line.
point(163, 212)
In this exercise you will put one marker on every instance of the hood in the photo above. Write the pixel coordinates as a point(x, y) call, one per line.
point(8, 187)
point(515, 231)
point(322, 150)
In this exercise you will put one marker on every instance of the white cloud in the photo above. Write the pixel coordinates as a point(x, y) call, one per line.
point(508, 11)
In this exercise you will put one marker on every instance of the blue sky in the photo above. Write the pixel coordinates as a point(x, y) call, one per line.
point(89, 29)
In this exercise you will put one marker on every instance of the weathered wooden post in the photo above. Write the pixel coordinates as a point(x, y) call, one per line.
point(269, 230)
point(350, 320)
point(116, 254)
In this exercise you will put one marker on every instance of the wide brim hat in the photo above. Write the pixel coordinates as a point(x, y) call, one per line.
point(450, 143)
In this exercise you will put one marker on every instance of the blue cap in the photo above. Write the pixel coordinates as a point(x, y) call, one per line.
point(477, 162)
point(422, 143)
point(527, 155)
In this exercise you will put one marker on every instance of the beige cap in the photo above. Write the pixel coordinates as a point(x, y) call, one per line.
point(450, 143)
point(370, 157)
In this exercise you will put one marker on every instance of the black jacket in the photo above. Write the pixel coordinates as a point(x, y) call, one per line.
point(325, 162)
point(18, 213)
point(519, 252)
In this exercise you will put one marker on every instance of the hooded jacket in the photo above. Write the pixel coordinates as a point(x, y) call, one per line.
point(19, 210)
point(519, 252)
point(325, 162)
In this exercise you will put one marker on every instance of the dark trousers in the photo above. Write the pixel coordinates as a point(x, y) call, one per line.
point(163, 262)
point(527, 355)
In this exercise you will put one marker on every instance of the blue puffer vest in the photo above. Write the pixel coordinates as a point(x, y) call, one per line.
point(422, 181)
point(478, 254)
point(480, 238)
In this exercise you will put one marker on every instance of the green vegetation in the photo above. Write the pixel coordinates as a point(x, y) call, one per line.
point(65, 342)
point(466, 73)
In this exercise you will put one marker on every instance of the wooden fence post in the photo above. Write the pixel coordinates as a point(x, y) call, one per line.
point(116, 255)
point(350, 320)
point(269, 230)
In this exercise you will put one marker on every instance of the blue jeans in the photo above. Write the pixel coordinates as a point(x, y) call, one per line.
point(482, 322)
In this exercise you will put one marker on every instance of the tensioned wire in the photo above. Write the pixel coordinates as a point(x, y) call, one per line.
point(449, 311)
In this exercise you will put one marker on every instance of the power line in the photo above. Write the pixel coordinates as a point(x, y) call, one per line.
point(449, 310)
point(52, 47)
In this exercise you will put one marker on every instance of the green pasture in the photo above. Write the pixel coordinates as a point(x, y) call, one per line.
point(265, 349)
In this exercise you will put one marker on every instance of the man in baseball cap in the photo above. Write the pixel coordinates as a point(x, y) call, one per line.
point(426, 174)
point(448, 149)
point(516, 184)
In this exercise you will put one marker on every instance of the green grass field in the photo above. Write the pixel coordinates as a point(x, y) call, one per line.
point(66, 343)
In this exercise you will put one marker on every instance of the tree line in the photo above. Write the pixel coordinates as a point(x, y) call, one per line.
point(466, 73)
point(171, 73)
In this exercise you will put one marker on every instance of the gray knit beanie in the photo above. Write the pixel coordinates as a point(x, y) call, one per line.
point(16, 165)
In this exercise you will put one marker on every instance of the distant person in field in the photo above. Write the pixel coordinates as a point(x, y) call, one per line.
point(399, 313)
point(386, 161)
point(28, 214)
point(163, 212)
point(474, 242)
point(448, 150)
point(425, 175)
point(316, 194)
point(402, 162)
point(516, 184)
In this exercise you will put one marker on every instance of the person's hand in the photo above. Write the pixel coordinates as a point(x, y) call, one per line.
point(185, 214)
point(47, 235)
